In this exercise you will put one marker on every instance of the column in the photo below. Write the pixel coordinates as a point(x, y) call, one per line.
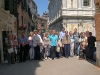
point(64, 4)
point(80, 3)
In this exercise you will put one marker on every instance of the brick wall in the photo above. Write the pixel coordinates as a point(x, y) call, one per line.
point(97, 19)
point(97, 1)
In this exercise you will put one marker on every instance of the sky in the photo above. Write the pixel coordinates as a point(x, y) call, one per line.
point(42, 6)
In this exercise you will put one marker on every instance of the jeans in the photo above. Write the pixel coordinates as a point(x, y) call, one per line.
point(76, 45)
point(91, 51)
point(31, 52)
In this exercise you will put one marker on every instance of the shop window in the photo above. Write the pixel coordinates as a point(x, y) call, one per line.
point(86, 2)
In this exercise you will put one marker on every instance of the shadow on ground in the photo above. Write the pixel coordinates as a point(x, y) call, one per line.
point(24, 68)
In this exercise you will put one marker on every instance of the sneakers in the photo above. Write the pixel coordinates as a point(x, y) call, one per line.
point(46, 58)
point(50, 59)
point(77, 57)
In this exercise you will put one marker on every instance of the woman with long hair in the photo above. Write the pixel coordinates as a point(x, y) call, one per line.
point(31, 50)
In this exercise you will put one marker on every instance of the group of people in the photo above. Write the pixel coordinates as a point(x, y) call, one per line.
point(50, 45)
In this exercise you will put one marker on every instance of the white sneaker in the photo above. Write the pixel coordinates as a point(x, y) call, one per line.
point(50, 59)
point(46, 58)
point(77, 57)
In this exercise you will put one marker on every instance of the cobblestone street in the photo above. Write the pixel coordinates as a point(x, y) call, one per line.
point(71, 66)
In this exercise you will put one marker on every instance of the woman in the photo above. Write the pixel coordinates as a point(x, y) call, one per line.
point(66, 42)
point(83, 44)
point(15, 45)
point(53, 43)
point(71, 44)
point(9, 43)
point(31, 50)
point(46, 46)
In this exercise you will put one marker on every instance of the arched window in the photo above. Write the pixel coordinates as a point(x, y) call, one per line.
point(86, 2)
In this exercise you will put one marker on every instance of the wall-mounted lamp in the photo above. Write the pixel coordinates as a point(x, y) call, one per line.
point(2, 29)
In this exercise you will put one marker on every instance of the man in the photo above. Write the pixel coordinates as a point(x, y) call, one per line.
point(61, 35)
point(53, 43)
point(91, 45)
point(23, 47)
point(76, 41)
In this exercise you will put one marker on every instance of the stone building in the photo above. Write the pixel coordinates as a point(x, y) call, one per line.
point(15, 17)
point(26, 11)
point(23, 15)
point(33, 9)
point(72, 14)
point(8, 23)
point(97, 27)
point(43, 22)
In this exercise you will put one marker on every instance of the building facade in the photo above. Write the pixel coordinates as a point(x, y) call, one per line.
point(26, 11)
point(8, 23)
point(43, 22)
point(97, 27)
point(23, 16)
point(33, 9)
point(16, 16)
point(72, 14)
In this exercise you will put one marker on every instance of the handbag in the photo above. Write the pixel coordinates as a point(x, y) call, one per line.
point(10, 50)
point(58, 49)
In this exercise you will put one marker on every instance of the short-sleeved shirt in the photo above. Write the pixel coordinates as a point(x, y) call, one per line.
point(46, 41)
point(53, 40)
point(72, 39)
point(23, 40)
point(61, 35)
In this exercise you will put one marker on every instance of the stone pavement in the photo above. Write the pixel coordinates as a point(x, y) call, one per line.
point(63, 66)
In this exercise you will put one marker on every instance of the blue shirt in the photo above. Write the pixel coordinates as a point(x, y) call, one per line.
point(23, 40)
point(53, 40)
point(72, 38)
point(61, 35)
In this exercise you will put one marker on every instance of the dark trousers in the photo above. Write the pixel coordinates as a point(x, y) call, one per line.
point(53, 52)
point(23, 53)
point(57, 54)
point(67, 50)
point(62, 52)
point(37, 52)
point(76, 45)
point(90, 52)
point(11, 58)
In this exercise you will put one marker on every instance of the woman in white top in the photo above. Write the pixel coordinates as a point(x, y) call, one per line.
point(31, 50)
point(83, 44)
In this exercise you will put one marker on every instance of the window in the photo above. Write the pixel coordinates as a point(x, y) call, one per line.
point(6, 4)
point(86, 2)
